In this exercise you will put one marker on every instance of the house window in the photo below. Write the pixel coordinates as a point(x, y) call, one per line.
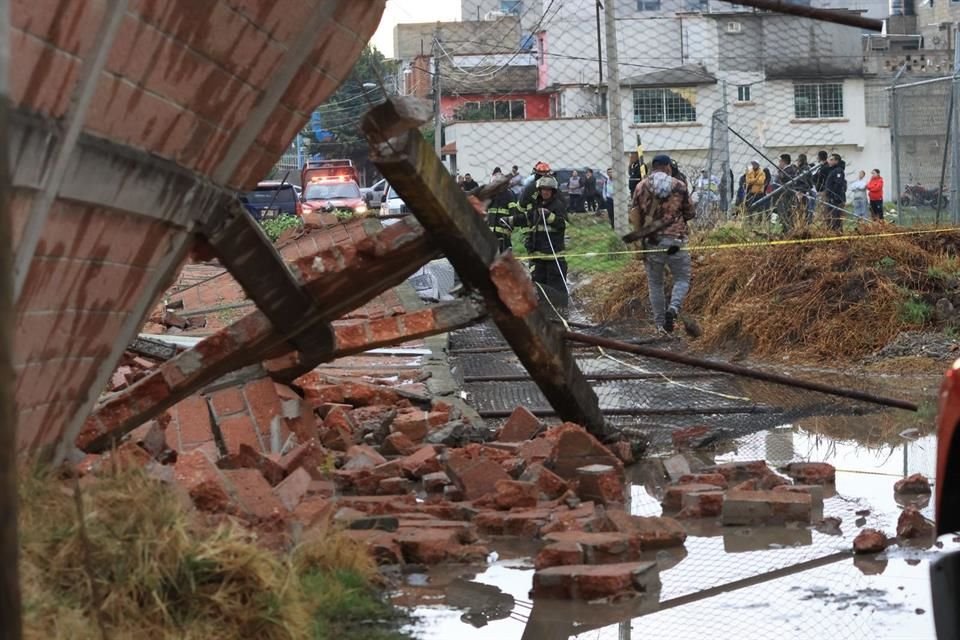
point(492, 110)
point(743, 93)
point(648, 5)
point(661, 106)
point(818, 101)
point(511, 6)
point(698, 5)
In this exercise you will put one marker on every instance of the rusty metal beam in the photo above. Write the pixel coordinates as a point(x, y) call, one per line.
point(414, 170)
point(339, 279)
point(849, 19)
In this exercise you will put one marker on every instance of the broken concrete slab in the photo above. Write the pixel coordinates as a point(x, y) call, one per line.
point(765, 507)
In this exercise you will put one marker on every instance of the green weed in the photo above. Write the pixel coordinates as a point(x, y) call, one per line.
point(274, 227)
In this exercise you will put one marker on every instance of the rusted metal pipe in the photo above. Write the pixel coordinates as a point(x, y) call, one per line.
point(765, 376)
point(824, 15)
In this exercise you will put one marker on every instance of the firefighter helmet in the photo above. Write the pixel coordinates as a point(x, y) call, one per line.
point(547, 182)
point(542, 168)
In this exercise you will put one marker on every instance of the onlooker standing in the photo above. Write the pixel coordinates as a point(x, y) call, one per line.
point(662, 208)
point(858, 193)
point(608, 195)
point(819, 178)
point(875, 193)
point(835, 190)
point(590, 194)
point(575, 189)
point(516, 181)
point(469, 184)
point(637, 172)
point(755, 183)
point(804, 184)
point(786, 199)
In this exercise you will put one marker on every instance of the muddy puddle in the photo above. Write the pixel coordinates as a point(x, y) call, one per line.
point(734, 582)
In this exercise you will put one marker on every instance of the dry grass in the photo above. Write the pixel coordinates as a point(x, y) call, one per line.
point(840, 299)
point(142, 567)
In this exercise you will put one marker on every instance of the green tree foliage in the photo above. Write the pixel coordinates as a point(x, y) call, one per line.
point(341, 114)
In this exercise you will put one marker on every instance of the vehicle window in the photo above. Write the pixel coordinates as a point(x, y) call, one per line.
point(263, 196)
point(332, 191)
point(380, 186)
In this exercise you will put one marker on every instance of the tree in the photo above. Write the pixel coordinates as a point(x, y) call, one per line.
point(340, 116)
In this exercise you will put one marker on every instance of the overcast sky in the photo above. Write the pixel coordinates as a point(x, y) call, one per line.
point(411, 11)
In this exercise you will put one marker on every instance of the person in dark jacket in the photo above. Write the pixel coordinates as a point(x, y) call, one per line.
point(636, 172)
point(835, 189)
point(786, 200)
point(544, 213)
point(500, 212)
point(818, 177)
point(679, 175)
point(591, 196)
point(469, 184)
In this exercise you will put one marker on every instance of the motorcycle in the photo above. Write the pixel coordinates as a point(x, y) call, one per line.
point(919, 196)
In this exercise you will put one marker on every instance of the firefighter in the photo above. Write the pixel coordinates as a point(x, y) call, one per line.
point(503, 207)
point(544, 213)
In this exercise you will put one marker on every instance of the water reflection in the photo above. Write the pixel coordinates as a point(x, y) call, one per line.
point(736, 582)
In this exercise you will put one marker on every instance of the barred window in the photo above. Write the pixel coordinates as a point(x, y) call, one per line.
point(648, 5)
point(743, 93)
point(492, 110)
point(817, 101)
point(661, 106)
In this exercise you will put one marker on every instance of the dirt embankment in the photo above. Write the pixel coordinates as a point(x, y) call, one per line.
point(813, 300)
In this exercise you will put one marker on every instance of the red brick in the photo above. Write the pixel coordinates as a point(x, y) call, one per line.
point(254, 494)
point(205, 484)
point(192, 417)
point(716, 479)
point(551, 485)
point(227, 401)
point(362, 456)
point(537, 450)
point(916, 483)
point(413, 423)
point(811, 472)
point(558, 554)
point(382, 331)
point(427, 546)
point(683, 437)
point(576, 448)
point(361, 394)
point(601, 547)
point(265, 406)
point(511, 494)
point(292, 490)
point(239, 430)
point(310, 456)
point(421, 462)
point(318, 394)
point(435, 482)
point(600, 483)
point(350, 334)
point(247, 457)
point(475, 477)
point(913, 526)
point(522, 425)
point(589, 583)
point(702, 504)
point(870, 541)
point(514, 286)
point(765, 507)
point(398, 444)
point(312, 511)
point(741, 471)
point(42, 78)
point(394, 486)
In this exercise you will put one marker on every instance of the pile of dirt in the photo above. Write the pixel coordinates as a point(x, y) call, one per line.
point(839, 298)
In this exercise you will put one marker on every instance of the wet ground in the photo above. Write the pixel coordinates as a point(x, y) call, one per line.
point(732, 582)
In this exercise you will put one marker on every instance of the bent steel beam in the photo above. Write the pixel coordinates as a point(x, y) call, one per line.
point(412, 167)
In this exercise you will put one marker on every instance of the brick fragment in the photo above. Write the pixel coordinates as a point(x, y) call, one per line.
point(397, 444)
point(653, 532)
point(701, 504)
point(576, 448)
point(423, 461)
point(254, 494)
point(362, 456)
point(427, 546)
point(474, 476)
point(765, 507)
point(600, 483)
point(601, 547)
point(435, 482)
point(551, 485)
point(589, 583)
point(207, 487)
point(916, 483)
point(511, 494)
point(870, 541)
point(313, 511)
point(520, 426)
point(673, 496)
point(913, 526)
point(293, 489)
point(716, 479)
point(811, 472)
point(246, 457)
point(558, 554)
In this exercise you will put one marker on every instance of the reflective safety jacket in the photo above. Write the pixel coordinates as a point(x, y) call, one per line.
point(547, 222)
point(503, 207)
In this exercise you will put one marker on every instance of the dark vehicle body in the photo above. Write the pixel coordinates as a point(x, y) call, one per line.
point(271, 198)
point(917, 195)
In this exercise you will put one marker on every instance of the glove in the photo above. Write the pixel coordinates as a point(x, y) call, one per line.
point(672, 249)
point(632, 237)
point(519, 220)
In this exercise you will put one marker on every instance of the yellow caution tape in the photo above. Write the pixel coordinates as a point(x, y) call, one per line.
point(739, 245)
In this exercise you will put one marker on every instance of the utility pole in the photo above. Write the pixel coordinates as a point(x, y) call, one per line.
point(895, 137)
point(437, 125)
point(955, 173)
point(600, 105)
point(10, 607)
point(615, 120)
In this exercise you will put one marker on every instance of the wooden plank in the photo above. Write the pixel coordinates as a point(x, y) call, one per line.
point(414, 170)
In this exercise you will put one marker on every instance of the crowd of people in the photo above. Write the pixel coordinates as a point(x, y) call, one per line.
point(800, 192)
point(662, 203)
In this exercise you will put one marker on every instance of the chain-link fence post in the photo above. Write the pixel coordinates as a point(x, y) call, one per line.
point(895, 143)
point(955, 120)
point(615, 119)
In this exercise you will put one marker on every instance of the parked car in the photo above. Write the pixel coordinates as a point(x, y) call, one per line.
point(392, 204)
point(373, 195)
point(272, 198)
